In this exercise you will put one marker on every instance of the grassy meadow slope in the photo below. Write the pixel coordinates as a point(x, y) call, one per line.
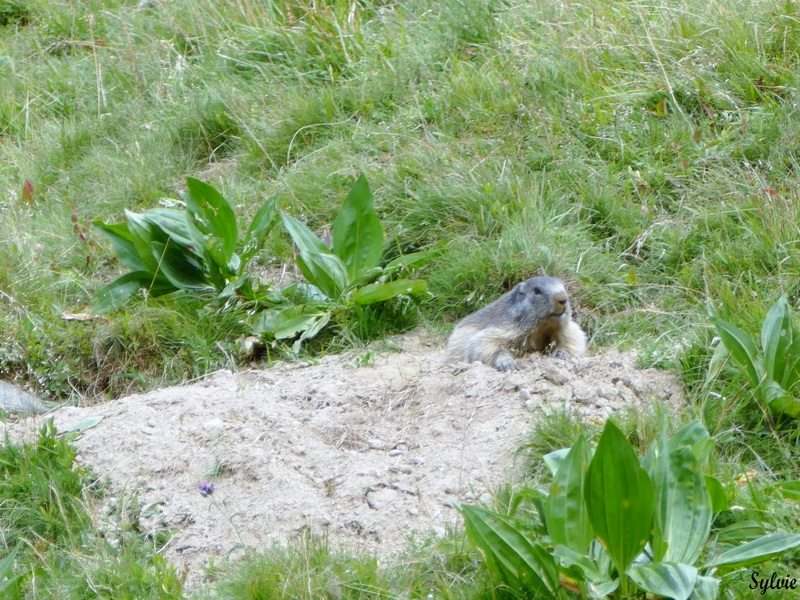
point(645, 152)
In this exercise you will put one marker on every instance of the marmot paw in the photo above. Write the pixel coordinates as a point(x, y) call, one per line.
point(562, 354)
point(505, 363)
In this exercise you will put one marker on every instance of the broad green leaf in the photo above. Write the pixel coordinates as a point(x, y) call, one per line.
point(365, 277)
point(776, 337)
point(683, 512)
point(590, 570)
point(717, 362)
point(743, 349)
point(527, 494)
point(234, 264)
point(619, 498)
point(313, 329)
point(412, 261)
point(87, 424)
point(552, 460)
point(669, 580)
point(288, 322)
point(779, 400)
point(600, 556)
point(178, 264)
point(524, 565)
point(8, 562)
point(142, 239)
point(785, 405)
point(265, 323)
point(12, 588)
point(656, 463)
point(378, 292)
point(216, 275)
point(756, 551)
point(302, 292)
point(564, 509)
point(695, 437)
point(290, 327)
point(789, 489)
point(357, 231)
point(705, 588)
point(743, 531)
point(121, 240)
point(792, 373)
point(260, 227)
point(173, 223)
point(214, 218)
point(318, 264)
point(118, 292)
point(602, 590)
point(719, 498)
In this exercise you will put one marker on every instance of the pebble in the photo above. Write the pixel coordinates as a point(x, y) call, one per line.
point(554, 376)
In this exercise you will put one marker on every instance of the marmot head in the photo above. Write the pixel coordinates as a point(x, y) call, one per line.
point(540, 298)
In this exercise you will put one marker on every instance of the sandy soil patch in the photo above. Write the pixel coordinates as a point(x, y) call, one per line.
point(366, 455)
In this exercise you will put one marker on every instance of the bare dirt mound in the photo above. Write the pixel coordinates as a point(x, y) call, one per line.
point(365, 455)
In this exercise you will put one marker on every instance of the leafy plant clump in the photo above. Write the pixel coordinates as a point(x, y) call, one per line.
point(616, 526)
point(346, 275)
point(195, 248)
point(771, 364)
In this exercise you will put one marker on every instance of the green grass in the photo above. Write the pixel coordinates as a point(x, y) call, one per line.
point(644, 152)
point(47, 508)
point(641, 152)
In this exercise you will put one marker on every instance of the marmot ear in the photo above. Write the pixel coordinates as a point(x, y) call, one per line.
point(519, 292)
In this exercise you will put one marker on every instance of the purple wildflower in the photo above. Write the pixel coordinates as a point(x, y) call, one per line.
point(206, 489)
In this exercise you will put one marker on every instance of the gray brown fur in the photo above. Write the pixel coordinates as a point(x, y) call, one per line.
point(535, 315)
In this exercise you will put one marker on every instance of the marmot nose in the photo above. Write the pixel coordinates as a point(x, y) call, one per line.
point(559, 303)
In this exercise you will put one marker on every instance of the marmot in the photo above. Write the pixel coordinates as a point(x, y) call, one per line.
point(535, 315)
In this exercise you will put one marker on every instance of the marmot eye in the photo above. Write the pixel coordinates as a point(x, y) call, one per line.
point(537, 290)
